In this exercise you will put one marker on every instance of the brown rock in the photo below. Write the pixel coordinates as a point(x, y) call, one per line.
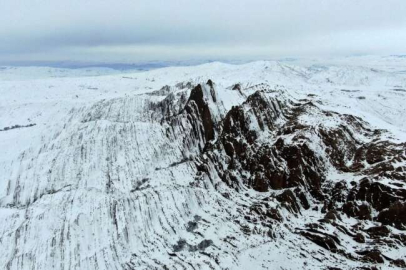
point(352, 209)
point(360, 238)
point(324, 240)
point(399, 263)
point(378, 231)
point(288, 200)
point(331, 215)
point(373, 256)
point(395, 215)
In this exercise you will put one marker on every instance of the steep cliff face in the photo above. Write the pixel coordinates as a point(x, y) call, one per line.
point(196, 175)
point(289, 149)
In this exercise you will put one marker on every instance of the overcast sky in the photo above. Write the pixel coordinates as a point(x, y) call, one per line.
point(167, 30)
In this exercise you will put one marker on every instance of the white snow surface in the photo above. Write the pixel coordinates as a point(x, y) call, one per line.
point(96, 131)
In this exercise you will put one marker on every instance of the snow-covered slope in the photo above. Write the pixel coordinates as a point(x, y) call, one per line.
point(265, 165)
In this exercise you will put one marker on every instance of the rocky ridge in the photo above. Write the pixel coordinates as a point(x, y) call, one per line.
point(287, 149)
point(195, 177)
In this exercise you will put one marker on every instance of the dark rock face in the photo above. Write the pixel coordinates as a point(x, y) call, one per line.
point(359, 237)
point(362, 211)
point(378, 231)
point(380, 196)
point(326, 241)
point(395, 215)
point(301, 166)
point(196, 103)
point(373, 256)
point(399, 263)
point(288, 201)
point(267, 144)
point(264, 145)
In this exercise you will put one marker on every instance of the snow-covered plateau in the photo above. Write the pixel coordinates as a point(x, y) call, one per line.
point(265, 165)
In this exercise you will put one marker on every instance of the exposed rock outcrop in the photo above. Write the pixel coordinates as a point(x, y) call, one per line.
point(271, 143)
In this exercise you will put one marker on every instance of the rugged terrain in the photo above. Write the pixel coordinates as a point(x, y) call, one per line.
point(265, 165)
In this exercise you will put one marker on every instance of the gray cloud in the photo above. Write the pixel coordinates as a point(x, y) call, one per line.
point(129, 30)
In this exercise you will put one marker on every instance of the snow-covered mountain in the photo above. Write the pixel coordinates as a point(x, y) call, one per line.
point(265, 165)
